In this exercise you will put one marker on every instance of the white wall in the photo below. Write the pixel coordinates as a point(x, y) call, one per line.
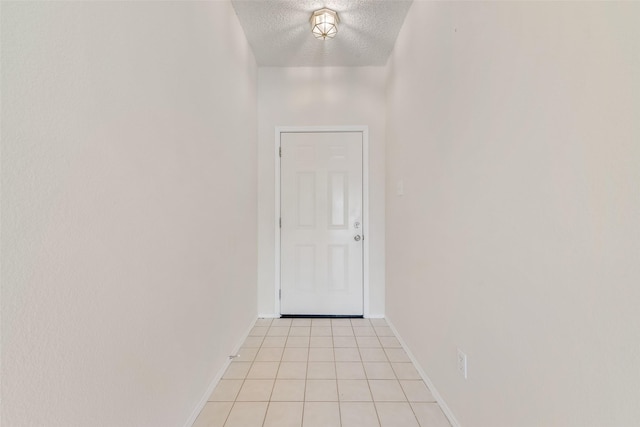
point(516, 130)
point(129, 195)
point(308, 96)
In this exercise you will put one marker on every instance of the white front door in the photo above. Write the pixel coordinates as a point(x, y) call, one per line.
point(321, 238)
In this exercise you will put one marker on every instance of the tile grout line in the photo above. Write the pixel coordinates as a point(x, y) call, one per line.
point(306, 373)
point(401, 387)
point(335, 367)
point(394, 373)
point(375, 408)
point(243, 382)
point(264, 420)
point(375, 405)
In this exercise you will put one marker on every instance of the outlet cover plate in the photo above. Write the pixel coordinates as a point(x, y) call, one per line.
point(462, 364)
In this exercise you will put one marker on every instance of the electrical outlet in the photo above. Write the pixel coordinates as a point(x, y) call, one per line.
point(400, 188)
point(462, 364)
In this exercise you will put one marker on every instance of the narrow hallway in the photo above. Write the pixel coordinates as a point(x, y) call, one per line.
point(321, 373)
point(150, 152)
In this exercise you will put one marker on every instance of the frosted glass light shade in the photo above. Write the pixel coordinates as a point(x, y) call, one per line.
point(324, 24)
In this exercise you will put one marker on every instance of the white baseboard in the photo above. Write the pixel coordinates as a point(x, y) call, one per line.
point(216, 379)
point(374, 316)
point(443, 405)
point(268, 316)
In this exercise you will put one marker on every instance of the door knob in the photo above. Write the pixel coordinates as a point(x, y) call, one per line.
point(357, 238)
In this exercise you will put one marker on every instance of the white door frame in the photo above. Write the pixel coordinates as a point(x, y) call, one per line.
point(365, 202)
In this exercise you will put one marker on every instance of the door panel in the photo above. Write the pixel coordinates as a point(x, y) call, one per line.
point(321, 211)
point(306, 197)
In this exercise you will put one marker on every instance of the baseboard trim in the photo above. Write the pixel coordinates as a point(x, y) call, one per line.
point(320, 316)
point(268, 316)
point(443, 405)
point(216, 379)
point(374, 316)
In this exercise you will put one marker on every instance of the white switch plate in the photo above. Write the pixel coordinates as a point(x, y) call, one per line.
point(400, 188)
point(462, 364)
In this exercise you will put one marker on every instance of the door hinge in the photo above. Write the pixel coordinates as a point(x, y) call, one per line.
point(280, 222)
point(280, 151)
point(280, 294)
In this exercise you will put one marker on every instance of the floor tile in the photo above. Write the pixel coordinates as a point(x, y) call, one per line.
point(226, 391)
point(263, 370)
point(288, 390)
point(344, 342)
point(237, 371)
point(320, 331)
point(264, 322)
point(300, 331)
point(342, 331)
point(430, 415)
point(396, 415)
point(321, 354)
point(269, 354)
point(281, 322)
point(373, 355)
point(321, 414)
point(321, 342)
point(247, 414)
point(390, 342)
point(350, 371)
point(347, 354)
point(258, 331)
point(292, 371)
point(321, 370)
point(354, 390)
point(214, 414)
point(246, 354)
point(397, 355)
point(368, 342)
point(386, 391)
point(384, 331)
point(321, 373)
point(321, 391)
point(295, 354)
point(378, 322)
point(364, 331)
point(417, 391)
point(284, 414)
point(405, 371)
point(255, 391)
point(253, 342)
point(358, 414)
point(274, 342)
point(297, 342)
point(379, 371)
point(278, 331)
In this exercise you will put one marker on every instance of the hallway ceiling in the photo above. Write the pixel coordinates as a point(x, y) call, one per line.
point(279, 31)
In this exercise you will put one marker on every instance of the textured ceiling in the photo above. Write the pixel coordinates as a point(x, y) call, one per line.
point(280, 33)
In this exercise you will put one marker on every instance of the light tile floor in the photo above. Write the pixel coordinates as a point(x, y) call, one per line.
point(321, 373)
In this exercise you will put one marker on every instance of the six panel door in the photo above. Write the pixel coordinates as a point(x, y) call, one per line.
point(321, 229)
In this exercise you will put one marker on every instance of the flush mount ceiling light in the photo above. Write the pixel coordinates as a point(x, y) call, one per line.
point(324, 23)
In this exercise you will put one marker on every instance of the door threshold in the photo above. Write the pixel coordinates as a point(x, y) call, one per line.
point(321, 316)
